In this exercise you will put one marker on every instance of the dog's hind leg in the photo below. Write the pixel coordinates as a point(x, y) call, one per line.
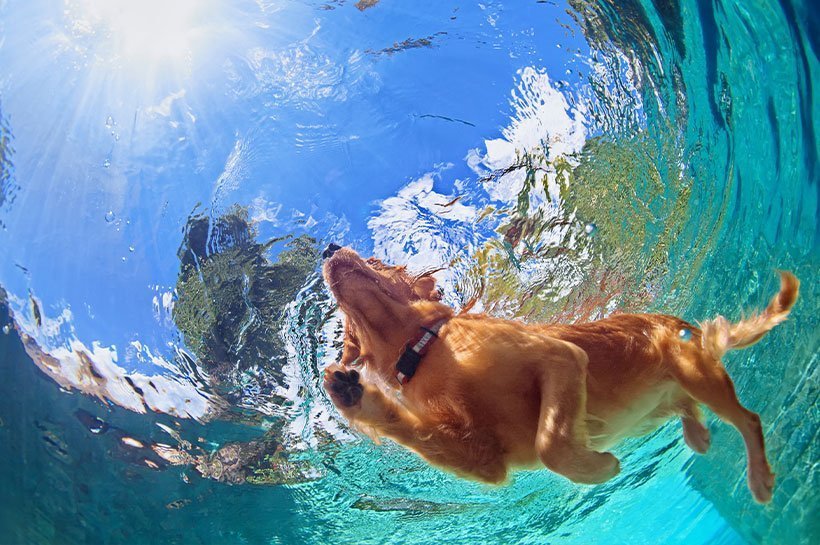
point(705, 379)
point(701, 374)
point(562, 440)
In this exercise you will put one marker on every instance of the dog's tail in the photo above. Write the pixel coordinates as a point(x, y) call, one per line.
point(719, 336)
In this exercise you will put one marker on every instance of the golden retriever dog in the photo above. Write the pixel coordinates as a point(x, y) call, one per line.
point(478, 396)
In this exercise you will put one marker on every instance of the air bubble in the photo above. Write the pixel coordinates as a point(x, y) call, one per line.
point(109, 122)
point(130, 248)
point(685, 335)
point(590, 229)
point(110, 217)
point(6, 329)
point(107, 163)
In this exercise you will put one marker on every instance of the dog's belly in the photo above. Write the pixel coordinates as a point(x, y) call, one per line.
point(520, 449)
point(643, 415)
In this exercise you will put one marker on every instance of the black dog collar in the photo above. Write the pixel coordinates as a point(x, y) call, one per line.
point(415, 350)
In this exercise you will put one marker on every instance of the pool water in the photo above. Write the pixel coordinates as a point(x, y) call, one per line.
point(170, 171)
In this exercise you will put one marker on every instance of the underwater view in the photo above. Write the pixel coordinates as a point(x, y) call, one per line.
point(172, 171)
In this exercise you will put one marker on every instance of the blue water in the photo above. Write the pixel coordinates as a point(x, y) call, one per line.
point(170, 170)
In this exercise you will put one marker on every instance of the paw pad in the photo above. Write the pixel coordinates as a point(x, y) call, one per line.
point(346, 388)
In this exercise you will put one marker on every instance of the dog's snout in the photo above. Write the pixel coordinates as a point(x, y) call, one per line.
point(330, 250)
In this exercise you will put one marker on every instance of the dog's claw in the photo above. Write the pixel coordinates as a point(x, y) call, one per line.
point(345, 387)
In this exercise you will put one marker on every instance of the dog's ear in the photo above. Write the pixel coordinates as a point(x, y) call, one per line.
point(376, 264)
point(425, 288)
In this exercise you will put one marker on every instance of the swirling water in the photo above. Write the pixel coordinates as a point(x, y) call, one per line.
point(169, 171)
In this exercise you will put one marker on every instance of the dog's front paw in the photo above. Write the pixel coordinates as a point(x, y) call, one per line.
point(596, 467)
point(344, 387)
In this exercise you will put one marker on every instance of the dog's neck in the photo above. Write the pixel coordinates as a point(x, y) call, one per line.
point(430, 312)
point(381, 351)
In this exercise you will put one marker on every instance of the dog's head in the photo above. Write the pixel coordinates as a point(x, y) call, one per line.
point(379, 301)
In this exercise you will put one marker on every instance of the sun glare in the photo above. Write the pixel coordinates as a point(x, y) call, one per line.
point(139, 31)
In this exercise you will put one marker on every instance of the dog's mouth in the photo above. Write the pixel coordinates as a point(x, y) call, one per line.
point(351, 280)
point(340, 264)
point(364, 295)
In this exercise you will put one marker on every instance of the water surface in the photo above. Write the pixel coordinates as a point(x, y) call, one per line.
point(169, 172)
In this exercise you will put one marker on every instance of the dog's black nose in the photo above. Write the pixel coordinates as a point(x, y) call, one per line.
point(330, 250)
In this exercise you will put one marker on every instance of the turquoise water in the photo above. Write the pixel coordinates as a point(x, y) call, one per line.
point(169, 172)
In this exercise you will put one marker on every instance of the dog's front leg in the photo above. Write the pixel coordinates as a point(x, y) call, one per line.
point(365, 404)
point(370, 409)
point(562, 441)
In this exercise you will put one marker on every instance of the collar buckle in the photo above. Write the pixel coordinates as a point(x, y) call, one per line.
point(414, 351)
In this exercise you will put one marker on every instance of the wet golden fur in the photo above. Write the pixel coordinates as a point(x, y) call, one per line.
point(494, 394)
